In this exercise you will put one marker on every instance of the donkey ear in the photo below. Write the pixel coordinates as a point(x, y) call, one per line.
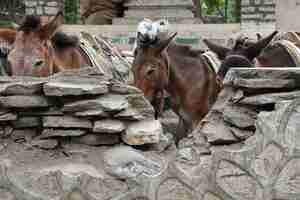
point(218, 49)
point(254, 50)
point(49, 29)
point(165, 43)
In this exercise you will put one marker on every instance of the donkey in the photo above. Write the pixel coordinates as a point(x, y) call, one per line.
point(182, 72)
point(240, 55)
point(39, 50)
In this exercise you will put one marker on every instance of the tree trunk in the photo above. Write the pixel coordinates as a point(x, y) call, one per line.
point(198, 9)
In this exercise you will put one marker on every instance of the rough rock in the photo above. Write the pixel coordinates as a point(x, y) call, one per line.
point(27, 122)
point(143, 132)
point(45, 144)
point(66, 122)
point(97, 139)
point(69, 89)
point(125, 162)
point(108, 103)
point(23, 135)
point(121, 88)
point(216, 130)
point(239, 116)
point(52, 111)
point(21, 88)
point(99, 112)
point(108, 126)
point(263, 99)
point(48, 133)
point(24, 102)
point(8, 116)
point(130, 114)
point(141, 104)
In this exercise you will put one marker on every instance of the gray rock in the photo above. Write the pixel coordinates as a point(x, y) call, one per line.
point(45, 144)
point(27, 122)
point(130, 114)
point(109, 126)
point(239, 116)
point(6, 131)
point(5, 194)
point(107, 103)
point(48, 133)
point(22, 135)
point(24, 102)
point(121, 88)
point(70, 89)
point(97, 139)
point(254, 84)
point(66, 122)
point(100, 113)
point(8, 117)
point(241, 134)
point(141, 104)
point(272, 98)
point(52, 111)
point(143, 132)
point(22, 88)
point(125, 162)
point(216, 130)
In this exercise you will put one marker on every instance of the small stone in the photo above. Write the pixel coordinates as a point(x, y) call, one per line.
point(108, 103)
point(24, 134)
point(27, 122)
point(241, 134)
point(130, 114)
point(52, 3)
point(126, 162)
point(45, 144)
point(92, 113)
point(8, 117)
point(109, 126)
point(70, 89)
point(49, 10)
point(66, 122)
point(24, 102)
point(122, 88)
point(240, 117)
point(97, 139)
point(21, 88)
point(143, 132)
point(141, 104)
point(48, 133)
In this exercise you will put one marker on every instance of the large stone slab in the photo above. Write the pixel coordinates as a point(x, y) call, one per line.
point(8, 116)
point(70, 89)
point(22, 88)
point(66, 122)
point(27, 122)
point(143, 132)
point(108, 103)
point(97, 139)
point(49, 133)
point(24, 102)
point(109, 126)
point(118, 162)
point(239, 116)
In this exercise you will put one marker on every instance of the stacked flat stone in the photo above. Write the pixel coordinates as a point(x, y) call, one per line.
point(45, 8)
point(84, 106)
point(176, 11)
point(247, 93)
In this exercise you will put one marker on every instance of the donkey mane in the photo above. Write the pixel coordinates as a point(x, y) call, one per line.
point(31, 23)
point(61, 41)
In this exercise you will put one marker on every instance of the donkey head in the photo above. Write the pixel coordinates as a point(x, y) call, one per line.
point(239, 55)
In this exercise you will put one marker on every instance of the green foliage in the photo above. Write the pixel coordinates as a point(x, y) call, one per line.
point(211, 6)
point(72, 11)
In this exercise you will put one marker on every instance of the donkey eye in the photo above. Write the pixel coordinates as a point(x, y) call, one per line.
point(38, 63)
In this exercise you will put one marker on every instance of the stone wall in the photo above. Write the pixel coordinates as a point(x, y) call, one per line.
point(84, 106)
point(257, 14)
point(246, 148)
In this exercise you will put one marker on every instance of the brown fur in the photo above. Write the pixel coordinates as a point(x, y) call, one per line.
point(188, 79)
point(39, 51)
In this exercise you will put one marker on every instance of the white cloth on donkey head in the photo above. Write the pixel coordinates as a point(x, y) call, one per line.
point(151, 29)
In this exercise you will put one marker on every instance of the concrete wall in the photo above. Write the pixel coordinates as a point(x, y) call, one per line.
point(288, 21)
point(191, 34)
point(258, 15)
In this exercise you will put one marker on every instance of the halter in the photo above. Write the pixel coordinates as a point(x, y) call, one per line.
point(159, 93)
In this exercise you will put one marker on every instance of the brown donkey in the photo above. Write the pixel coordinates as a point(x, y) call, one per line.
point(183, 73)
point(39, 51)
